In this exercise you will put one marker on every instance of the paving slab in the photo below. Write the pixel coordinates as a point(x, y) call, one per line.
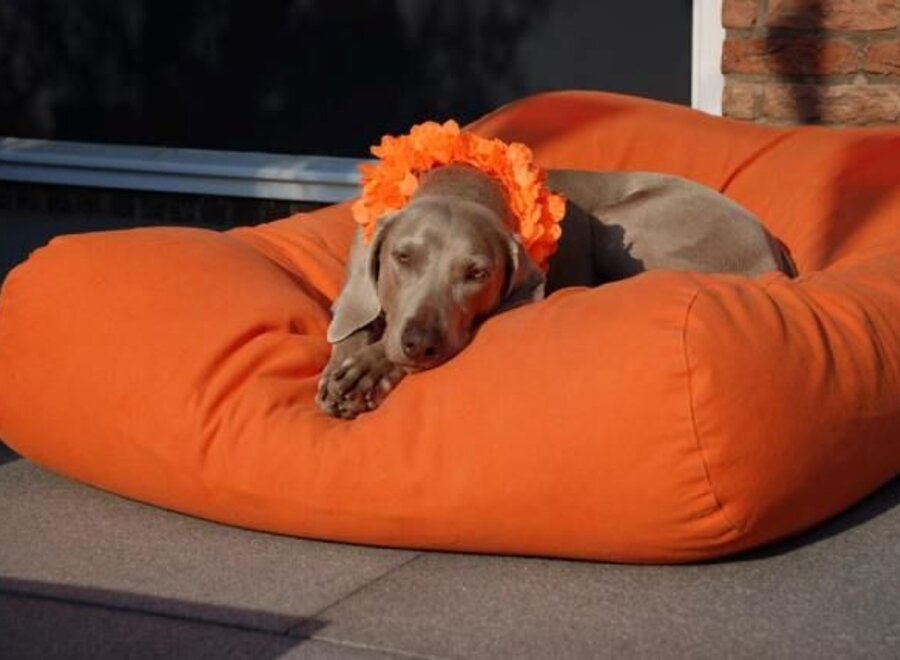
point(834, 593)
point(64, 540)
point(100, 561)
point(50, 629)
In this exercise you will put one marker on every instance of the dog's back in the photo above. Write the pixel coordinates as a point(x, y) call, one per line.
point(619, 224)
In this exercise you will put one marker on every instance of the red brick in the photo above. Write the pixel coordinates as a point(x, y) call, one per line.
point(785, 55)
point(883, 57)
point(739, 100)
point(834, 14)
point(794, 103)
point(833, 104)
point(739, 13)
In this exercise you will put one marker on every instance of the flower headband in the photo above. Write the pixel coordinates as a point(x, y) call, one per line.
point(389, 184)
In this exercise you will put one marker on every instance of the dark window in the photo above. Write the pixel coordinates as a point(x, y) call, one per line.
point(315, 76)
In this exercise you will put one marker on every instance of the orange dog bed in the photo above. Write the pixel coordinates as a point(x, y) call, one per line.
point(666, 418)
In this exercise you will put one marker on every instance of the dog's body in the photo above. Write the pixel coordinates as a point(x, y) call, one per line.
point(619, 224)
point(433, 271)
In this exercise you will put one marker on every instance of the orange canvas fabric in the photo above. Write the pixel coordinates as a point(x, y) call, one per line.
point(671, 417)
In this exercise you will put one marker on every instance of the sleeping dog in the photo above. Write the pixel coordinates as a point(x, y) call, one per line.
point(415, 293)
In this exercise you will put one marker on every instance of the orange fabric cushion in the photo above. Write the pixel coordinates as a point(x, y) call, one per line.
point(670, 417)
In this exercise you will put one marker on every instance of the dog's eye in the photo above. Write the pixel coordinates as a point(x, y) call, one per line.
point(476, 274)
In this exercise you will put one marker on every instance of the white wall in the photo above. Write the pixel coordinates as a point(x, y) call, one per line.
point(707, 81)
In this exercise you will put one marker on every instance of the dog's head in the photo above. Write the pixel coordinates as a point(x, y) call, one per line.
point(435, 270)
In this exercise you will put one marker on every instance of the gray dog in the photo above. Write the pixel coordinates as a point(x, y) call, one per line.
point(415, 295)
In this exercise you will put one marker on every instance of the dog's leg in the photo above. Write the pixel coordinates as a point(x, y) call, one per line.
point(358, 376)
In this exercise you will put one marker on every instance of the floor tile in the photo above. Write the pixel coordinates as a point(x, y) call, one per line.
point(60, 537)
point(46, 629)
point(833, 593)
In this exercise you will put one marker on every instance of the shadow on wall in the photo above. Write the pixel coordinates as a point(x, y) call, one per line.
point(868, 177)
point(807, 99)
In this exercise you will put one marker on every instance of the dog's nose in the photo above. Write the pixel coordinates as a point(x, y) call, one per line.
point(421, 343)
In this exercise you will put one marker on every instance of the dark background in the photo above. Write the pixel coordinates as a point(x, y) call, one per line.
point(322, 77)
point(315, 76)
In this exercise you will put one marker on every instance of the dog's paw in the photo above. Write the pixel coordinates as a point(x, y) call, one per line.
point(358, 384)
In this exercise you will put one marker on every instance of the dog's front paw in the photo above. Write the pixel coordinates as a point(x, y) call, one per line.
point(358, 384)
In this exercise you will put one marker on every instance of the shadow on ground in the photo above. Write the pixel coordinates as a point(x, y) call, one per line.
point(77, 622)
point(7, 455)
point(876, 504)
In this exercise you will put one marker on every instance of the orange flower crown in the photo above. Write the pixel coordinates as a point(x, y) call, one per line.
point(389, 184)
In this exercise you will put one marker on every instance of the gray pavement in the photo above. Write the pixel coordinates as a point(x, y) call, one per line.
point(87, 574)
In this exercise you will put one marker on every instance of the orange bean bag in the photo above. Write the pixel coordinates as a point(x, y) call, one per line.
point(667, 418)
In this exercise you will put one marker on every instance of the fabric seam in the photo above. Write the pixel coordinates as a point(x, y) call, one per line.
point(729, 521)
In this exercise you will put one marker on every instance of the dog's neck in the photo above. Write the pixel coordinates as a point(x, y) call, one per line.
point(464, 182)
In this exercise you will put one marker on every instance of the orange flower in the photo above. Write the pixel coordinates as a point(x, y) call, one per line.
point(388, 185)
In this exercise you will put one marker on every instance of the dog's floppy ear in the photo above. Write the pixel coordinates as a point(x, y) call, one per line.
point(525, 281)
point(358, 304)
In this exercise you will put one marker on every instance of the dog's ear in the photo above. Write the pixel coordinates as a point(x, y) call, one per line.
point(358, 304)
point(525, 281)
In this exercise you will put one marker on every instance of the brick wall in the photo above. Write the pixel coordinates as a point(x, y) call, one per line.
point(812, 61)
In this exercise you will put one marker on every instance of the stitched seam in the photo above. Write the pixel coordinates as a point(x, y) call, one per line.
point(730, 522)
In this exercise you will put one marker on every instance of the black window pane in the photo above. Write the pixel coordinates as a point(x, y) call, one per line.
point(315, 76)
